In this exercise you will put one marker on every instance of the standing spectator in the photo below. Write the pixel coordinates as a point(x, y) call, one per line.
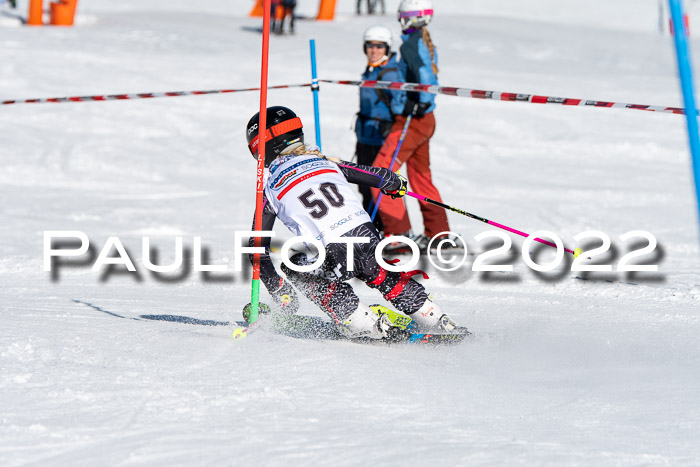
point(287, 10)
point(275, 15)
point(370, 7)
point(374, 6)
point(419, 65)
point(378, 107)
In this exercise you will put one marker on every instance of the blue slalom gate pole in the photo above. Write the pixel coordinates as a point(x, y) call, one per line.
point(393, 160)
point(685, 71)
point(314, 89)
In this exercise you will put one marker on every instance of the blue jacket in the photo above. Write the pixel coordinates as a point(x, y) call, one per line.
point(375, 115)
point(416, 66)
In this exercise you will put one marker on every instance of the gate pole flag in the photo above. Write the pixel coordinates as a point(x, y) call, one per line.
point(685, 71)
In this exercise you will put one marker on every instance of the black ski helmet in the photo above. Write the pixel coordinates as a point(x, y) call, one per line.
point(283, 128)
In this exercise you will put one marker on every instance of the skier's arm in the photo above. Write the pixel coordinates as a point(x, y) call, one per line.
point(418, 64)
point(376, 177)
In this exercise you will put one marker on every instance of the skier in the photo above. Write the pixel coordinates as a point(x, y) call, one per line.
point(312, 196)
point(378, 107)
point(419, 65)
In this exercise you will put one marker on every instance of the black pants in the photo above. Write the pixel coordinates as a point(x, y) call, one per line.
point(327, 286)
point(365, 156)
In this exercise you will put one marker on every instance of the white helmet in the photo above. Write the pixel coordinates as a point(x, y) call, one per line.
point(415, 13)
point(378, 34)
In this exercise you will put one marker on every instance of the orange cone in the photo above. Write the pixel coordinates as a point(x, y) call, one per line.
point(326, 10)
point(36, 11)
point(257, 10)
point(63, 12)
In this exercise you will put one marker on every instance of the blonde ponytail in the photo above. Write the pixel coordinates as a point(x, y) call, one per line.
point(431, 47)
point(303, 149)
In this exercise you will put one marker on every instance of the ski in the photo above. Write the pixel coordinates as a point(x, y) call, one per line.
point(406, 331)
point(454, 337)
point(309, 327)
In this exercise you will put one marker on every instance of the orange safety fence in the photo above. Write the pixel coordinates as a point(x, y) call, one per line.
point(326, 10)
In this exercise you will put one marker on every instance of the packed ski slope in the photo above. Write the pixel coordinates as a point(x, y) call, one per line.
point(110, 367)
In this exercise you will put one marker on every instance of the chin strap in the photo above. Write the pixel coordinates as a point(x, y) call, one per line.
point(379, 62)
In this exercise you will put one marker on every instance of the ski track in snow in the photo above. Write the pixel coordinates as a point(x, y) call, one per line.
point(137, 369)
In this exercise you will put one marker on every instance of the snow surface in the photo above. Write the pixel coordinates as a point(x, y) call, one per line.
point(603, 371)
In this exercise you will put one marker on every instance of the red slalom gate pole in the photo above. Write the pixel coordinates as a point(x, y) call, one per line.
point(262, 132)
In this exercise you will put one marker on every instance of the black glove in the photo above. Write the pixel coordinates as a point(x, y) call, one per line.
point(417, 109)
point(400, 191)
point(286, 298)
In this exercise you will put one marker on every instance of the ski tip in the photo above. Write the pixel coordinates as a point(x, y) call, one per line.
point(239, 333)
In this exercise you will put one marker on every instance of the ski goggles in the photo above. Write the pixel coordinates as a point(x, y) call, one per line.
point(411, 14)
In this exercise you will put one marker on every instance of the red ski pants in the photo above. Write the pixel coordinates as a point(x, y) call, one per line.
point(415, 152)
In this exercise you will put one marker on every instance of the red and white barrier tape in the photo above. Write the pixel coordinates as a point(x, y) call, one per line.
point(502, 96)
point(432, 89)
point(145, 95)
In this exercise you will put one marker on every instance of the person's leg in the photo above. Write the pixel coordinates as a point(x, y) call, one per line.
point(334, 296)
point(399, 288)
point(409, 297)
point(291, 18)
point(393, 211)
point(285, 13)
point(421, 182)
point(278, 13)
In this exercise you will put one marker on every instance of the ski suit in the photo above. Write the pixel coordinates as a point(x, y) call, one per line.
point(312, 197)
point(417, 66)
point(375, 118)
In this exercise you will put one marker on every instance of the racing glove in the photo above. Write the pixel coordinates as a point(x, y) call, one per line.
point(400, 191)
point(417, 109)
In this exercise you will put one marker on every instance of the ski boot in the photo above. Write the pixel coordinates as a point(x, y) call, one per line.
point(364, 323)
point(398, 327)
point(431, 318)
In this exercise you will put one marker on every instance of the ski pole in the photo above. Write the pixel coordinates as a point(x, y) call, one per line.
point(478, 218)
point(393, 161)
